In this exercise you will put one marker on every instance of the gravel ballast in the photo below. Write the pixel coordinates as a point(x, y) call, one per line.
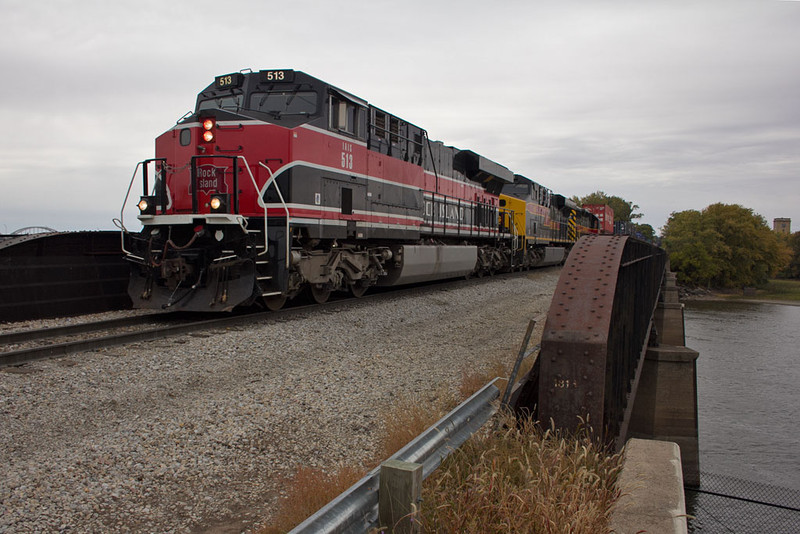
point(197, 433)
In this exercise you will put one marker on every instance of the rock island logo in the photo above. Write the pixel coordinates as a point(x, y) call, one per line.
point(211, 179)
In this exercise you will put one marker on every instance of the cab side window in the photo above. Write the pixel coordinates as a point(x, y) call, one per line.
point(346, 117)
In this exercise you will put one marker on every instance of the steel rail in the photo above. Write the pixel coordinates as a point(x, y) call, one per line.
point(56, 350)
point(74, 329)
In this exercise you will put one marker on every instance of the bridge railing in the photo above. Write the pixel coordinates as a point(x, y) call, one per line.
point(596, 335)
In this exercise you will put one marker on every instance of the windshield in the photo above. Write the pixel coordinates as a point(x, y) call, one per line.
point(231, 102)
point(279, 103)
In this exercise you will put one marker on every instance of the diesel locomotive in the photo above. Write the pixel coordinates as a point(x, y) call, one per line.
point(279, 183)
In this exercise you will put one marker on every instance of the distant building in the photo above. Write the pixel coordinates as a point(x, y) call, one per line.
point(782, 226)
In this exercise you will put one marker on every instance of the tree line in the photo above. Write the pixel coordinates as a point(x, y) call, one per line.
point(724, 246)
point(721, 246)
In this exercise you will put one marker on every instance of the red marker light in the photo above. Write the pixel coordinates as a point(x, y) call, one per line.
point(208, 133)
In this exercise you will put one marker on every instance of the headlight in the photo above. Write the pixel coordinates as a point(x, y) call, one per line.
point(147, 205)
point(218, 203)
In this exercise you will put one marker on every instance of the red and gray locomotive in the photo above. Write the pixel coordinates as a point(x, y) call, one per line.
point(279, 183)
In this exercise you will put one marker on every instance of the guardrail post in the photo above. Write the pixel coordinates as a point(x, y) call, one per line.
point(399, 496)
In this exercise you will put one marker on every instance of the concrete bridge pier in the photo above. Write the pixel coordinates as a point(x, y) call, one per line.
point(665, 406)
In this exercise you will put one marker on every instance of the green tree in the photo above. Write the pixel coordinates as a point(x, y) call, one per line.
point(646, 230)
point(693, 247)
point(623, 209)
point(792, 242)
point(725, 245)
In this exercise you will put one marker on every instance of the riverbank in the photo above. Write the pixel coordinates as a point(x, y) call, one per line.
point(785, 292)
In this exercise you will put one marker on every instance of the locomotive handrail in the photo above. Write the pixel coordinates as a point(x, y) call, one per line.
point(255, 188)
point(271, 180)
point(122, 228)
point(491, 229)
point(512, 227)
point(145, 184)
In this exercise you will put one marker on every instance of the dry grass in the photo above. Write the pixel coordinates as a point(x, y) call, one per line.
point(472, 381)
point(516, 478)
point(499, 366)
point(311, 489)
point(523, 479)
point(408, 418)
point(308, 491)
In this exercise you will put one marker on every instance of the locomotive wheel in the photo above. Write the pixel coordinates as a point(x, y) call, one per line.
point(319, 293)
point(275, 303)
point(358, 289)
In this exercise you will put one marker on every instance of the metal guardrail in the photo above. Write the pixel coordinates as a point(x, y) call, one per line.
point(356, 509)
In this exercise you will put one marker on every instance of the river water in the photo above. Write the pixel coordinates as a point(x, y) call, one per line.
point(748, 381)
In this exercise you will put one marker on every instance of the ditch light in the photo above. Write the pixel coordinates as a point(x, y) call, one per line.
point(219, 203)
point(147, 205)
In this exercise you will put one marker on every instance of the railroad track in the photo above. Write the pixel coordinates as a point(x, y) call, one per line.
point(25, 346)
point(32, 345)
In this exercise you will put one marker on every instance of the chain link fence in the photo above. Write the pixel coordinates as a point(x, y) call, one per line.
point(727, 504)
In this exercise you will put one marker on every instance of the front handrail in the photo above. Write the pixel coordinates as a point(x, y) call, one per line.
point(258, 190)
point(121, 219)
point(270, 181)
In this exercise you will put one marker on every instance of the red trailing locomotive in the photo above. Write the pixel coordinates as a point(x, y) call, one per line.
point(280, 183)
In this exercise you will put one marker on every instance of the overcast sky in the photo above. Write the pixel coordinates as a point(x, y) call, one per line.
point(673, 105)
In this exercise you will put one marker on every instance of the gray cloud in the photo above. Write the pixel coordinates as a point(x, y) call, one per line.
point(671, 105)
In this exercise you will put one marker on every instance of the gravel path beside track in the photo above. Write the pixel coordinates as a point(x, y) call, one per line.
point(194, 433)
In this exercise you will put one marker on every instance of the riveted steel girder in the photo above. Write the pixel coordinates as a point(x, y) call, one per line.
point(596, 332)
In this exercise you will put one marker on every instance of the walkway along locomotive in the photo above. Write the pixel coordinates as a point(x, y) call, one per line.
point(279, 183)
